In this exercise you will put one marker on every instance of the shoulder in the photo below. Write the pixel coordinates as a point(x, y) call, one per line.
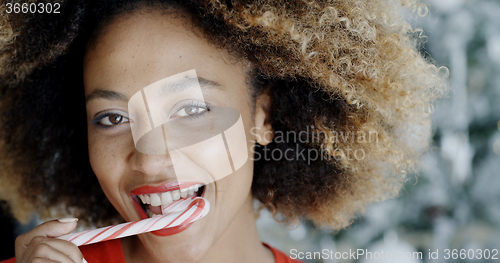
point(281, 257)
point(108, 252)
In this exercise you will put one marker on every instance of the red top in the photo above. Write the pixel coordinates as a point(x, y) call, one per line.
point(111, 252)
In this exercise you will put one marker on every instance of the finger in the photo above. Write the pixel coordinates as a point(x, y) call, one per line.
point(43, 250)
point(56, 228)
point(68, 248)
point(42, 260)
point(52, 228)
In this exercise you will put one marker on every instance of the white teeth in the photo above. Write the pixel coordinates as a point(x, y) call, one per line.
point(166, 198)
point(151, 214)
point(142, 198)
point(155, 200)
point(176, 195)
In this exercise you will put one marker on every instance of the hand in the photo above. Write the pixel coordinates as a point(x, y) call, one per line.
point(40, 246)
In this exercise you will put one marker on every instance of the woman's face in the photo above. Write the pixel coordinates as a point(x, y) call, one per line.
point(135, 51)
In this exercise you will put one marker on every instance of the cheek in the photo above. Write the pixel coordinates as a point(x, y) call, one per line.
point(107, 160)
point(206, 161)
point(210, 160)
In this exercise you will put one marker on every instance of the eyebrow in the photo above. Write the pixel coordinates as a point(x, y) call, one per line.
point(175, 87)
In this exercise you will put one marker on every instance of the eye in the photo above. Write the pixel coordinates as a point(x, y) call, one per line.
point(189, 110)
point(110, 119)
point(113, 120)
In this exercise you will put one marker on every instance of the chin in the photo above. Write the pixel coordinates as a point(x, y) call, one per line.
point(185, 247)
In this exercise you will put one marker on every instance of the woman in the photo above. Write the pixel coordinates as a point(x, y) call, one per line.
point(344, 77)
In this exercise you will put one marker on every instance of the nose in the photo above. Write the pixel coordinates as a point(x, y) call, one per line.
point(151, 155)
point(150, 164)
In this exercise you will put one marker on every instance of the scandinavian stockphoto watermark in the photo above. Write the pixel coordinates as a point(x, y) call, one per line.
point(207, 142)
point(309, 136)
point(430, 254)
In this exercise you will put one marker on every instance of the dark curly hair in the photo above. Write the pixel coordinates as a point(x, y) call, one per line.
point(336, 67)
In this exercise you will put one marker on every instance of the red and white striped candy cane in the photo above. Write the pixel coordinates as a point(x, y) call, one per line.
point(196, 208)
point(176, 206)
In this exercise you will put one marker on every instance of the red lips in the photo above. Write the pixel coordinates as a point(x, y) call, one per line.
point(165, 187)
point(147, 189)
point(171, 231)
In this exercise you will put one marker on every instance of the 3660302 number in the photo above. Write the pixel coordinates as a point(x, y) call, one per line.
point(471, 254)
point(49, 8)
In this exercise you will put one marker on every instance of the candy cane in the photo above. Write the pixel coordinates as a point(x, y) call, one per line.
point(195, 209)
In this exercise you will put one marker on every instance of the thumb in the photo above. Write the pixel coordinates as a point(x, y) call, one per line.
point(55, 228)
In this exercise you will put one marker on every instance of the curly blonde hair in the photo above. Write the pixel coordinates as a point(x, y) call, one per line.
point(345, 68)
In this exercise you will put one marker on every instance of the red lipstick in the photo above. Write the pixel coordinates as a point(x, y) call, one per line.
point(147, 189)
point(171, 186)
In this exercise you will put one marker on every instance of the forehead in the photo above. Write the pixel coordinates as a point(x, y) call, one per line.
point(141, 48)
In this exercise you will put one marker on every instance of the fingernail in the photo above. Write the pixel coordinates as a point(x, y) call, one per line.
point(84, 261)
point(68, 220)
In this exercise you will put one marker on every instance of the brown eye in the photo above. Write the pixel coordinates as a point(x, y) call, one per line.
point(115, 119)
point(192, 110)
point(111, 120)
point(189, 111)
point(188, 108)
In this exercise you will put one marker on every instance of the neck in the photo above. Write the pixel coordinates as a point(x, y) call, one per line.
point(239, 243)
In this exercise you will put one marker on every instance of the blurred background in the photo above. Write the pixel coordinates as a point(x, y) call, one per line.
point(454, 203)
